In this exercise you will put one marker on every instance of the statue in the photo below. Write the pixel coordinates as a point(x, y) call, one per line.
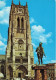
point(40, 53)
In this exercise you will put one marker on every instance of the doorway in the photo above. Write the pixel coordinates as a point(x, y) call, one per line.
point(19, 75)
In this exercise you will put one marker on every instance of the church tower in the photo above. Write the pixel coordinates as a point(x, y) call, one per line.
point(19, 51)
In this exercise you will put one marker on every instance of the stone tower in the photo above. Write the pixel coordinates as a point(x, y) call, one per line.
point(19, 51)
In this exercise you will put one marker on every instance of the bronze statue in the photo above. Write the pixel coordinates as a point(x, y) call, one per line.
point(40, 53)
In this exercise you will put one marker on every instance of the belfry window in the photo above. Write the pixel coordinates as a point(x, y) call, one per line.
point(18, 24)
point(22, 24)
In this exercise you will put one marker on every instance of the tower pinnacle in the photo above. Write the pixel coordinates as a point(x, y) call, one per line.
point(26, 3)
point(12, 1)
point(19, 2)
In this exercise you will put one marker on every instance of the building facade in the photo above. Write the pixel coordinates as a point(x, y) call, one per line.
point(2, 66)
point(51, 71)
point(19, 52)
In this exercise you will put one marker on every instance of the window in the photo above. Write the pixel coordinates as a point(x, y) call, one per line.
point(18, 24)
point(20, 41)
point(22, 25)
point(2, 69)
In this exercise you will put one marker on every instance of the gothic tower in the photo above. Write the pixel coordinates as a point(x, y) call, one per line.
point(19, 51)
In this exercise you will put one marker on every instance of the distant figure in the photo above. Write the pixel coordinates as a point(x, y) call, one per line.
point(40, 53)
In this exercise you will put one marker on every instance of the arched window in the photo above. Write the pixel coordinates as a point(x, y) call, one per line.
point(22, 24)
point(20, 41)
point(18, 24)
point(10, 71)
point(2, 69)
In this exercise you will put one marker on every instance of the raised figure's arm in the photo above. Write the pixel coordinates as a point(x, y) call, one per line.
point(36, 49)
point(44, 53)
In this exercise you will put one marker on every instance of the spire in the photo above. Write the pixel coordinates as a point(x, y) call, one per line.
point(19, 2)
point(26, 4)
point(12, 1)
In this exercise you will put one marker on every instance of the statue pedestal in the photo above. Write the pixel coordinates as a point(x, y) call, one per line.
point(40, 72)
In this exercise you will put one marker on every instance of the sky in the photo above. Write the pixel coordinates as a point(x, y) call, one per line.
point(42, 23)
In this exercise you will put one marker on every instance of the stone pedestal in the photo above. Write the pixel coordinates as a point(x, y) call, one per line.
point(40, 72)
